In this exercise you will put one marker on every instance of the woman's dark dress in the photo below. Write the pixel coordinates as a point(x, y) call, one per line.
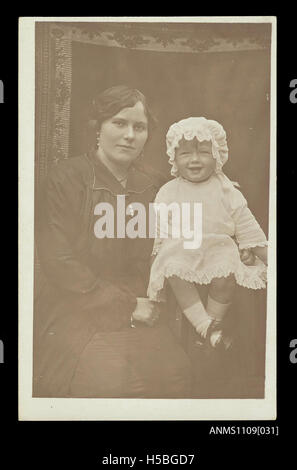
point(83, 342)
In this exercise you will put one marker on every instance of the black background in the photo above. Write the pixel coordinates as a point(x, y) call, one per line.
point(83, 444)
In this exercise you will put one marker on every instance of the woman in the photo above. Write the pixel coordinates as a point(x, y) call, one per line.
point(84, 341)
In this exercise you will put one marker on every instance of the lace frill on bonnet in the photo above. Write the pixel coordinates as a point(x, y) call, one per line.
point(202, 129)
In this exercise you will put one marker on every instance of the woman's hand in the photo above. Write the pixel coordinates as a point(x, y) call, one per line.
point(247, 257)
point(146, 311)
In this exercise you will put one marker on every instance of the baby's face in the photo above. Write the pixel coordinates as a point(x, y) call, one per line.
point(194, 160)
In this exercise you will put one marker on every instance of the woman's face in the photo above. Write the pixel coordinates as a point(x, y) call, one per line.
point(122, 137)
point(194, 160)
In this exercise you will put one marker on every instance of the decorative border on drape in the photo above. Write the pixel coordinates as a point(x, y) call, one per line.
point(62, 44)
point(43, 101)
point(170, 37)
point(53, 94)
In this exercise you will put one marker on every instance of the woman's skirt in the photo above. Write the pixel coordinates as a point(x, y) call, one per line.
point(139, 362)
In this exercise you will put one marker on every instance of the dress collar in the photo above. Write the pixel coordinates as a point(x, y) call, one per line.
point(137, 180)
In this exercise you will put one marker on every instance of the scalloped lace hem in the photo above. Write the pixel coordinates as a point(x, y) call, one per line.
point(244, 279)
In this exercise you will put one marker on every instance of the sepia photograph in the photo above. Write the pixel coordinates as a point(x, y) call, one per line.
point(147, 218)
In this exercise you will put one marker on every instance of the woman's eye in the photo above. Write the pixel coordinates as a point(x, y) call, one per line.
point(119, 123)
point(140, 127)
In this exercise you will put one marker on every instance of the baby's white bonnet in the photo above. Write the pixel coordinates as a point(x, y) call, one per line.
point(202, 129)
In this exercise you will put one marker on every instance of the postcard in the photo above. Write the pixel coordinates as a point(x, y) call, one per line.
point(147, 195)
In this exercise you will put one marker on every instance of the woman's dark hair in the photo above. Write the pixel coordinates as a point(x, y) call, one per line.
point(114, 99)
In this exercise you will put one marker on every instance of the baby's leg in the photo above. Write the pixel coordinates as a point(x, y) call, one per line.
point(222, 289)
point(188, 298)
point(220, 296)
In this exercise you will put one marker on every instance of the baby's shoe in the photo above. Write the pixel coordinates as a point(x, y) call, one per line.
point(217, 337)
point(202, 331)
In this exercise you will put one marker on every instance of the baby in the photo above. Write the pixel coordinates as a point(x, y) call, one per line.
point(197, 150)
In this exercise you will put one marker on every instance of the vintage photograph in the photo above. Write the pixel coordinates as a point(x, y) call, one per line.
point(153, 217)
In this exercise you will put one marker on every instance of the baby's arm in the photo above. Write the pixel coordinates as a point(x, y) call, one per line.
point(248, 232)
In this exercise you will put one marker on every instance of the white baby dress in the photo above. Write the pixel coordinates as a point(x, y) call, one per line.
point(227, 225)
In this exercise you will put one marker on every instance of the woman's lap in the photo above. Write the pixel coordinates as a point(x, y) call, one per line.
point(138, 362)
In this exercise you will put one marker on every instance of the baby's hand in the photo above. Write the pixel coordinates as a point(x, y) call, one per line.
point(247, 257)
